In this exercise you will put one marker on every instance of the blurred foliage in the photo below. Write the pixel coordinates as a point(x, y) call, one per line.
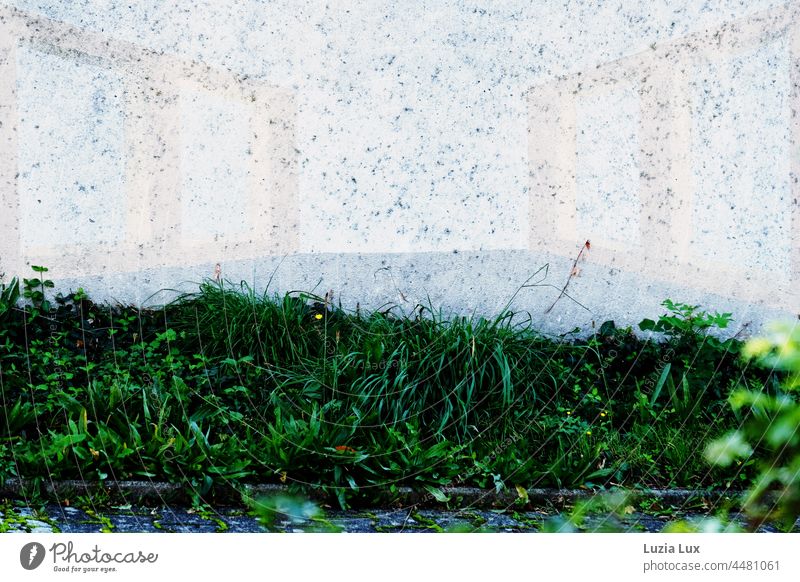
point(771, 429)
point(276, 513)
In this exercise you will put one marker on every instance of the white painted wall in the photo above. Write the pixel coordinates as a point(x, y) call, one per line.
point(460, 144)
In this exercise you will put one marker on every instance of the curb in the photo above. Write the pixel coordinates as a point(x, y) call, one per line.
point(150, 492)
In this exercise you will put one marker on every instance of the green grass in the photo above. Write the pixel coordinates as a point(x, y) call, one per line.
point(226, 385)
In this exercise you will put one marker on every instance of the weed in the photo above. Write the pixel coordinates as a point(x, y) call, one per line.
point(227, 386)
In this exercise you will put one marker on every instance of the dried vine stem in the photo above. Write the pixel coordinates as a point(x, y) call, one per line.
point(574, 271)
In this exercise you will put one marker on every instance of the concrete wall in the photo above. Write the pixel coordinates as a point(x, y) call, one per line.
point(398, 151)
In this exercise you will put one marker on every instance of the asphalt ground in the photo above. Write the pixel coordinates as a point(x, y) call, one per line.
point(173, 519)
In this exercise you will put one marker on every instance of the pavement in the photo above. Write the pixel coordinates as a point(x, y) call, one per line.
point(168, 519)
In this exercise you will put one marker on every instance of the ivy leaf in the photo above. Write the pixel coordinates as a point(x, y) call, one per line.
point(438, 494)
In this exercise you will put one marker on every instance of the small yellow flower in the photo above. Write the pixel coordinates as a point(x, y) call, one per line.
point(602, 414)
point(318, 316)
point(569, 413)
point(588, 432)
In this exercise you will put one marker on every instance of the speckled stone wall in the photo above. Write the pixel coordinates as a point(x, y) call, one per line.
point(398, 151)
